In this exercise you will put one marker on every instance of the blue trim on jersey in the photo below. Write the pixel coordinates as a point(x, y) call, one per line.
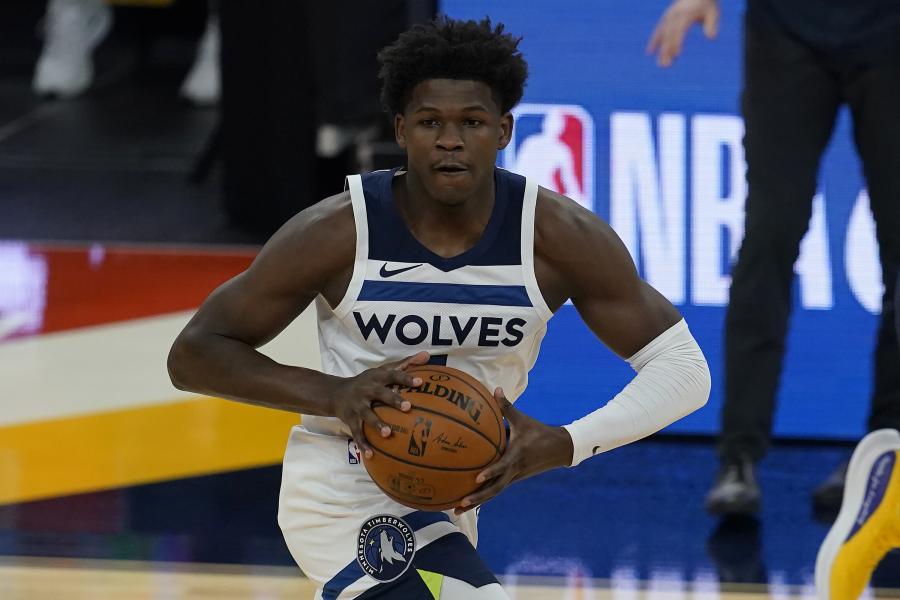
point(450, 293)
point(451, 555)
point(454, 556)
point(417, 520)
point(437, 359)
point(390, 240)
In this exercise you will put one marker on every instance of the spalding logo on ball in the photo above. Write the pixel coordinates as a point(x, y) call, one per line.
point(452, 432)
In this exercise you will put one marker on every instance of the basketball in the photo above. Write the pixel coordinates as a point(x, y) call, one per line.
point(453, 430)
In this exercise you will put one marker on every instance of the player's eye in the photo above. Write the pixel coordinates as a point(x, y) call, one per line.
point(472, 122)
point(429, 122)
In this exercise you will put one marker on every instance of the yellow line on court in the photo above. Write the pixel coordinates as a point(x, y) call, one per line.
point(137, 445)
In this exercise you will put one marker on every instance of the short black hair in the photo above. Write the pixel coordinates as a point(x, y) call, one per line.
point(451, 49)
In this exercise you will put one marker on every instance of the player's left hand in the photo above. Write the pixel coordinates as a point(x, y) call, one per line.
point(532, 448)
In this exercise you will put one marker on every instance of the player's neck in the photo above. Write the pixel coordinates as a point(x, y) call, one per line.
point(446, 229)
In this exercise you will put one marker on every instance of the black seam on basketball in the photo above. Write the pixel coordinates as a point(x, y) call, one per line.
point(499, 418)
point(440, 414)
point(421, 466)
point(390, 493)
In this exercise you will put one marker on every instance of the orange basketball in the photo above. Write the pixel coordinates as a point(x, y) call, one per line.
point(453, 431)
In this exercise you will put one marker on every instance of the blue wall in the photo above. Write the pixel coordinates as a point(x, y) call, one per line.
point(667, 172)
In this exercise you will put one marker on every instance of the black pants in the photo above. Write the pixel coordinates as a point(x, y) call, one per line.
point(790, 102)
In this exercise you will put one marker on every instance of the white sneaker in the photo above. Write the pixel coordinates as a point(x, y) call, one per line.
point(868, 526)
point(72, 29)
point(202, 85)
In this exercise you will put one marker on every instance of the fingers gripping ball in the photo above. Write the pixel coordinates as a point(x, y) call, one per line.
point(453, 431)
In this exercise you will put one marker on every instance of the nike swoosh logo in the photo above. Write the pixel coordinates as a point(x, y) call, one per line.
point(384, 272)
point(595, 450)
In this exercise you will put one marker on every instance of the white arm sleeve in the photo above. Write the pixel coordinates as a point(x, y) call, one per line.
point(672, 381)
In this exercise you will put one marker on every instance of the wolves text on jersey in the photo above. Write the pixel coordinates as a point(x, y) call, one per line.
point(443, 330)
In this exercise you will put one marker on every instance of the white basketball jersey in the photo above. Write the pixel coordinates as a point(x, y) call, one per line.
point(480, 312)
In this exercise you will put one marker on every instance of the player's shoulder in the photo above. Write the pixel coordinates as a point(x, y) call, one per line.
point(561, 225)
point(581, 247)
point(325, 230)
point(332, 211)
point(331, 217)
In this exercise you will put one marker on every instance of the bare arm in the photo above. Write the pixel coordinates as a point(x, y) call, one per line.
point(668, 37)
point(578, 256)
point(216, 354)
point(584, 256)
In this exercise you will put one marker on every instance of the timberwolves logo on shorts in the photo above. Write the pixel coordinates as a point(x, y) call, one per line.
point(385, 547)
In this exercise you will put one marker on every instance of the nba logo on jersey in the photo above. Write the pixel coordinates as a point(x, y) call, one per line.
point(353, 456)
point(554, 145)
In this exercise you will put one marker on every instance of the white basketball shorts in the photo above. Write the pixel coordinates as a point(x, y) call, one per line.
point(355, 542)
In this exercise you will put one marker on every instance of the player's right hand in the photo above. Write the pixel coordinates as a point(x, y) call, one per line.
point(668, 36)
point(351, 398)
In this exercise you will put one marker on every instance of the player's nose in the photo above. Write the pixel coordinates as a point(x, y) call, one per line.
point(449, 138)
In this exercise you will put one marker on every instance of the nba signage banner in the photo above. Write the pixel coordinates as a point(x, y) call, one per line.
point(554, 144)
point(657, 153)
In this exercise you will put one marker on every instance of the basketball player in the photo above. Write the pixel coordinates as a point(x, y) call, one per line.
point(447, 260)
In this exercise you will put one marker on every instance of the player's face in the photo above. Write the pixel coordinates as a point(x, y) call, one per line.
point(451, 130)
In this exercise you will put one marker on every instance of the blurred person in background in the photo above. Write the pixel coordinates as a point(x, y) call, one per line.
point(802, 61)
point(72, 29)
point(313, 97)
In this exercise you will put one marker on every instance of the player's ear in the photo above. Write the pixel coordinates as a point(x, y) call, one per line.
point(506, 129)
point(399, 133)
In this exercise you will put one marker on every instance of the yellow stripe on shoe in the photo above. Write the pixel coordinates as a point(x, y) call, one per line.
point(874, 531)
point(868, 524)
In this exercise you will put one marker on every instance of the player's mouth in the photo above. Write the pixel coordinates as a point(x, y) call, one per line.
point(451, 169)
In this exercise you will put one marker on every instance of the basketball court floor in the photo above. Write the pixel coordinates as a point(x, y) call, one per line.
point(113, 484)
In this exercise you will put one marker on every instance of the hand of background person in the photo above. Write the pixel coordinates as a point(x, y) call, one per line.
point(351, 398)
point(668, 37)
point(533, 448)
